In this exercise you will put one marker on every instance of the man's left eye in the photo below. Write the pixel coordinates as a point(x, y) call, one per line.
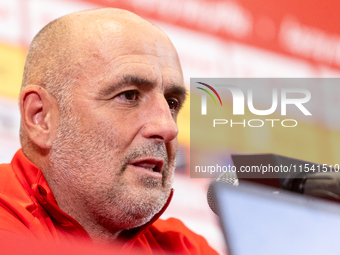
point(173, 104)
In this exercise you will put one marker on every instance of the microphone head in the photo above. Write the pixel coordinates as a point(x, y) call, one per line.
point(229, 177)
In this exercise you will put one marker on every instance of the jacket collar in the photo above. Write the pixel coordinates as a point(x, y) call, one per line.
point(35, 184)
point(28, 173)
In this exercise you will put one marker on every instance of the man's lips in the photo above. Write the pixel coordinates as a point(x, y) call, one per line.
point(151, 164)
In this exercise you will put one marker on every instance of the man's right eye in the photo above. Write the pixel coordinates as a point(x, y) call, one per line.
point(130, 95)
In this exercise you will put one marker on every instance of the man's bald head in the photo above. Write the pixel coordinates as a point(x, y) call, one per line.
point(58, 52)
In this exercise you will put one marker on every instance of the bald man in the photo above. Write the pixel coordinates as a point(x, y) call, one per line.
point(99, 101)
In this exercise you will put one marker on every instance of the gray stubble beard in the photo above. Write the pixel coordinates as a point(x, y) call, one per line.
point(117, 207)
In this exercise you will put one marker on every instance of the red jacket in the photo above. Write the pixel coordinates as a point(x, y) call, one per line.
point(29, 209)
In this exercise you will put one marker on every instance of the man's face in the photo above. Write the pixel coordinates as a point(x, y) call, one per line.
point(116, 145)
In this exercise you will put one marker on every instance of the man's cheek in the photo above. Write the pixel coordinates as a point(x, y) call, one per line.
point(172, 148)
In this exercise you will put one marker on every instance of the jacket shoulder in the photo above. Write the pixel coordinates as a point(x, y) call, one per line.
point(14, 201)
point(174, 236)
point(10, 185)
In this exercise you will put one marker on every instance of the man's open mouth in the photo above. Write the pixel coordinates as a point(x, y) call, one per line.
point(153, 165)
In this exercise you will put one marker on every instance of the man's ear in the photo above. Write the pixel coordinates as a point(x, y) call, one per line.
point(39, 115)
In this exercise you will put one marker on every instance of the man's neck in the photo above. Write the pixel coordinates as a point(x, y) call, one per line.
point(74, 206)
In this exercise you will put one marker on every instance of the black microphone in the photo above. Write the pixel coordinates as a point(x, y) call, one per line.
point(323, 185)
point(229, 178)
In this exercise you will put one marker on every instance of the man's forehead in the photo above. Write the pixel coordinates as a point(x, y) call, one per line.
point(110, 41)
point(111, 36)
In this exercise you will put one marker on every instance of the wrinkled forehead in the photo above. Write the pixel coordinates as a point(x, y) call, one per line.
point(107, 41)
point(120, 34)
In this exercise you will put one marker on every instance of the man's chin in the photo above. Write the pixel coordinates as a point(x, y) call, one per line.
point(142, 213)
point(137, 218)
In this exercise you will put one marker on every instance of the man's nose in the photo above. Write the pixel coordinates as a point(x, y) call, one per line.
point(159, 123)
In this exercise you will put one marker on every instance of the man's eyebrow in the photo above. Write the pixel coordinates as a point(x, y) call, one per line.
point(177, 90)
point(125, 80)
point(136, 80)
